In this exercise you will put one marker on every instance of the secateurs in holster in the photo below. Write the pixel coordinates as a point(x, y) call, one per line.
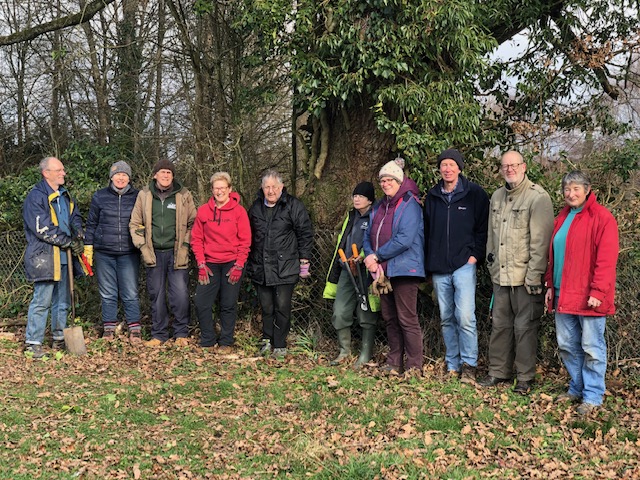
point(353, 267)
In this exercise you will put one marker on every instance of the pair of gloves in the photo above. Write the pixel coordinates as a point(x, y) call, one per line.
point(204, 272)
point(381, 284)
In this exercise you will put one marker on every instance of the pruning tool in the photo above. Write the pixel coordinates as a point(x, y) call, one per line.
point(348, 264)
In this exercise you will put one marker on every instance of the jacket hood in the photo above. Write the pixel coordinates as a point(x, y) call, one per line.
point(234, 201)
point(407, 185)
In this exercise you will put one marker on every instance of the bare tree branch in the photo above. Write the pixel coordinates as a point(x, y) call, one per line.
point(82, 16)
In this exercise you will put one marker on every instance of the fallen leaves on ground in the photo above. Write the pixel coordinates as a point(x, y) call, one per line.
point(134, 412)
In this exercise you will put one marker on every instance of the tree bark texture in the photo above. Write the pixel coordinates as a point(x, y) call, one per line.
point(356, 150)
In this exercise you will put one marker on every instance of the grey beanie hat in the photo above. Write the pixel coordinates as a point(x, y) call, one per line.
point(120, 167)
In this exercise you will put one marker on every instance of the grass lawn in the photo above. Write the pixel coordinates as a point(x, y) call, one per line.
point(124, 412)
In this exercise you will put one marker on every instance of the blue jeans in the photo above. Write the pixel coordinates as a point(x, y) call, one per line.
point(48, 295)
point(118, 276)
point(456, 294)
point(583, 350)
point(178, 294)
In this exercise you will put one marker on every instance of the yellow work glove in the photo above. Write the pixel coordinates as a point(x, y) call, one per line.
point(88, 252)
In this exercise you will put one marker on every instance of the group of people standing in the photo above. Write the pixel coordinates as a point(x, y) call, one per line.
point(570, 264)
point(393, 244)
point(160, 225)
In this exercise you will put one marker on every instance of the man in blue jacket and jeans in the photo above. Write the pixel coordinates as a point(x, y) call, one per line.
point(52, 224)
point(456, 214)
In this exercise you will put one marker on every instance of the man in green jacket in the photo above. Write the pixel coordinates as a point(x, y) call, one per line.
point(160, 227)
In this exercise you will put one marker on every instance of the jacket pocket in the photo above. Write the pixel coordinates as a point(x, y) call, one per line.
point(520, 218)
point(288, 266)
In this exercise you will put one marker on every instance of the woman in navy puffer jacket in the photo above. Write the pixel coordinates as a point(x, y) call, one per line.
point(117, 261)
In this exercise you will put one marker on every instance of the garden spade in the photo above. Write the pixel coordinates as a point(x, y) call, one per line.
point(73, 336)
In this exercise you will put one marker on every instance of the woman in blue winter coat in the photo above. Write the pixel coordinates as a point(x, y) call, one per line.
point(117, 260)
point(394, 242)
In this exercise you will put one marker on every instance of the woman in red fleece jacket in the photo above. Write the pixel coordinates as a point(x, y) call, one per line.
point(581, 280)
point(220, 240)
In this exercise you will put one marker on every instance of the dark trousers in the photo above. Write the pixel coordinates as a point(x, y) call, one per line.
point(514, 332)
point(160, 277)
point(275, 302)
point(206, 296)
point(399, 311)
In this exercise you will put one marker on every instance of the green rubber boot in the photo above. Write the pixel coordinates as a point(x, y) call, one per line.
point(366, 352)
point(344, 342)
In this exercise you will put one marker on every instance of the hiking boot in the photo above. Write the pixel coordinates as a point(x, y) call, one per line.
point(567, 397)
point(109, 335)
point(58, 345)
point(468, 374)
point(34, 351)
point(181, 342)
point(491, 381)
point(586, 408)
point(154, 342)
point(135, 336)
point(265, 349)
point(279, 353)
point(453, 374)
point(523, 387)
point(224, 350)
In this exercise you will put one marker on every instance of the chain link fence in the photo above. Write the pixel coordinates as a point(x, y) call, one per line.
point(311, 314)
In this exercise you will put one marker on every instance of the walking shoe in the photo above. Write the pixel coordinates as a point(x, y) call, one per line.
point(491, 381)
point(58, 345)
point(109, 335)
point(154, 342)
point(391, 370)
point(181, 342)
point(135, 336)
point(224, 350)
point(468, 374)
point(586, 408)
point(265, 350)
point(453, 374)
point(279, 353)
point(413, 373)
point(568, 397)
point(523, 387)
point(34, 351)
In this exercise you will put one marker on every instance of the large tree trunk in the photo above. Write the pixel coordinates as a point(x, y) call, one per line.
point(355, 152)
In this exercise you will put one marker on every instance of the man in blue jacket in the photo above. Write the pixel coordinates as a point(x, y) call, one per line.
point(456, 214)
point(52, 225)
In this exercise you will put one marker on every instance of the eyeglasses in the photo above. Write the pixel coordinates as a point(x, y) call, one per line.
point(386, 180)
point(220, 189)
point(513, 167)
point(56, 170)
point(359, 197)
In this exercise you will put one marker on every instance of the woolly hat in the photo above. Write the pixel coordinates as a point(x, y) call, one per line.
point(163, 165)
point(393, 169)
point(365, 189)
point(120, 167)
point(452, 154)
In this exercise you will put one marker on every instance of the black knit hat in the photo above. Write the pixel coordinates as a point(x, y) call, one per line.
point(365, 189)
point(163, 165)
point(452, 154)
